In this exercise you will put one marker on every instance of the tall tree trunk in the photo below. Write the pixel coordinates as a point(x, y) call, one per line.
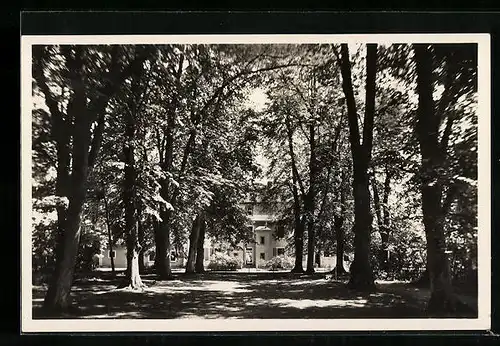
point(298, 236)
point(339, 230)
point(193, 243)
point(57, 297)
point(386, 227)
point(361, 270)
point(311, 234)
point(162, 238)
point(382, 252)
point(110, 238)
point(140, 236)
point(442, 299)
point(84, 147)
point(299, 219)
point(58, 294)
point(157, 239)
point(163, 248)
point(132, 279)
point(200, 249)
point(311, 199)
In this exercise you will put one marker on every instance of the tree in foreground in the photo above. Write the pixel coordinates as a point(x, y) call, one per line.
point(361, 270)
point(434, 152)
point(77, 119)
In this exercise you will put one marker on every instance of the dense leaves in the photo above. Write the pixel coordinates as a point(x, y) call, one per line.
point(303, 129)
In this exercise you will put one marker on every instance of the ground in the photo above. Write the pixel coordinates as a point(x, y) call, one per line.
point(242, 295)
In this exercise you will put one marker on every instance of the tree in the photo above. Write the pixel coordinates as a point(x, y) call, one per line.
point(77, 124)
point(361, 270)
point(130, 195)
point(433, 150)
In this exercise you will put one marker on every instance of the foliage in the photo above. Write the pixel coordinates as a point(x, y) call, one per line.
point(200, 148)
point(279, 263)
point(224, 262)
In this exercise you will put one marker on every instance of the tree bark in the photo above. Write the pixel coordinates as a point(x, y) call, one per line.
point(81, 152)
point(163, 248)
point(132, 279)
point(57, 297)
point(200, 249)
point(442, 298)
point(361, 270)
point(140, 236)
point(110, 239)
point(382, 252)
point(299, 219)
point(339, 231)
point(386, 227)
point(193, 243)
point(157, 238)
point(299, 245)
point(311, 200)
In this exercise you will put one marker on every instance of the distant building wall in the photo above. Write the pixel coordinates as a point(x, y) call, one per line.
point(119, 254)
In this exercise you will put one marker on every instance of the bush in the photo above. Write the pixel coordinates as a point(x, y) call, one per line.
point(279, 263)
point(224, 262)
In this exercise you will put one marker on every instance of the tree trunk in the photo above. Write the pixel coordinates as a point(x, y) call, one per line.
point(310, 248)
point(386, 227)
point(132, 279)
point(382, 252)
point(157, 238)
point(163, 269)
point(339, 231)
point(339, 237)
point(81, 114)
point(299, 245)
point(299, 219)
point(140, 230)
point(200, 248)
point(57, 297)
point(193, 243)
point(442, 298)
point(361, 270)
point(311, 200)
point(110, 239)
point(58, 294)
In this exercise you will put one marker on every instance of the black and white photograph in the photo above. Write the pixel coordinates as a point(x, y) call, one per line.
point(255, 182)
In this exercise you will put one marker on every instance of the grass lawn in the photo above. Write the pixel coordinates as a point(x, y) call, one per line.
point(242, 295)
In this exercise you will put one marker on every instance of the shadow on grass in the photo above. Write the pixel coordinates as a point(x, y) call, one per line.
point(238, 295)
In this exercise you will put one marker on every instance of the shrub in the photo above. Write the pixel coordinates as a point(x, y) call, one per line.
point(224, 262)
point(278, 263)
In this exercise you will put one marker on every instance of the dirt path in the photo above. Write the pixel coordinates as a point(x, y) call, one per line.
point(240, 295)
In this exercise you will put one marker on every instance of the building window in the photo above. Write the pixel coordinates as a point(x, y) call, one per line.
point(112, 254)
point(262, 256)
point(278, 251)
point(173, 256)
point(262, 240)
point(235, 254)
point(248, 256)
point(151, 256)
point(249, 209)
point(346, 258)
